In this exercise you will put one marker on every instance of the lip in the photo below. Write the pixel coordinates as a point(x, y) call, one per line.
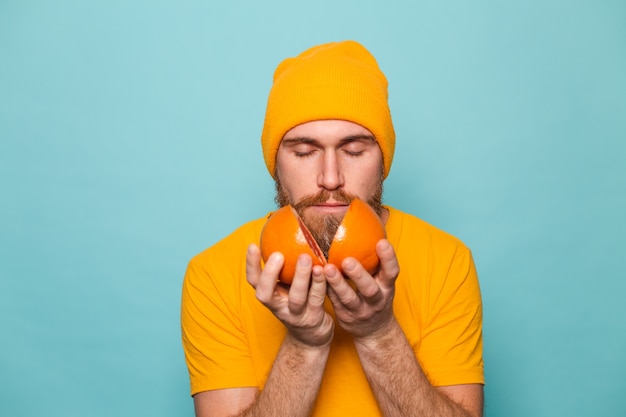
point(330, 207)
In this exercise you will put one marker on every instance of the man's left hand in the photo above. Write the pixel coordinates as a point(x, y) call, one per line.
point(364, 305)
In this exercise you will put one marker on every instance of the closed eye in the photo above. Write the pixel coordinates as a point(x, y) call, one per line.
point(357, 146)
point(301, 147)
point(303, 154)
point(353, 153)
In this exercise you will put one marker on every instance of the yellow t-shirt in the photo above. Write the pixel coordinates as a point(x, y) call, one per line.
point(230, 339)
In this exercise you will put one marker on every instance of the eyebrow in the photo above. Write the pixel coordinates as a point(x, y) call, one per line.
point(347, 139)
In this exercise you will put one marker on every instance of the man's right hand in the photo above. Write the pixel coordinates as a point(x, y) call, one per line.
point(296, 375)
point(301, 306)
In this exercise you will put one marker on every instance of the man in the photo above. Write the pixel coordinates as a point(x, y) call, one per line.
point(406, 341)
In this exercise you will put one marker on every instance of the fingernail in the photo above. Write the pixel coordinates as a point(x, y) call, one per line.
point(304, 260)
point(317, 271)
point(316, 274)
point(274, 258)
point(349, 264)
point(331, 272)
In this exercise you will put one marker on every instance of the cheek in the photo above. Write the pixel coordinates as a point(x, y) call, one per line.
point(367, 177)
point(290, 169)
point(290, 187)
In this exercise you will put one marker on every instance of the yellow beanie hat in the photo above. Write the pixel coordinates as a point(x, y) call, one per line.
point(340, 81)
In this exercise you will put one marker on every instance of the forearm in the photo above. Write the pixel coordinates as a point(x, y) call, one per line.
point(397, 380)
point(293, 383)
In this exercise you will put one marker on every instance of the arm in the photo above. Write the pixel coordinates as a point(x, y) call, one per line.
point(396, 378)
point(400, 385)
point(296, 375)
point(290, 390)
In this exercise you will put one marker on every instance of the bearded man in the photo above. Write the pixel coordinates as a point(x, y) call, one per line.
point(406, 340)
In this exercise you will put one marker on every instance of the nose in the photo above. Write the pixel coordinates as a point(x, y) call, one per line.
point(330, 176)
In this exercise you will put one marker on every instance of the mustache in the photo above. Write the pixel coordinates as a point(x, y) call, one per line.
point(323, 196)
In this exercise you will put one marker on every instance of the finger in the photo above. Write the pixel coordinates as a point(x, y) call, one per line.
point(268, 279)
point(298, 293)
point(332, 295)
point(317, 292)
point(253, 264)
point(365, 284)
point(344, 293)
point(389, 266)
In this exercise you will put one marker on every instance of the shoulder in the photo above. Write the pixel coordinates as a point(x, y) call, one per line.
point(222, 263)
point(235, 243)
point(407, 229)
point(216, 276)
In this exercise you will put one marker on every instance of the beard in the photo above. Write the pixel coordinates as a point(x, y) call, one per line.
point(323, 228)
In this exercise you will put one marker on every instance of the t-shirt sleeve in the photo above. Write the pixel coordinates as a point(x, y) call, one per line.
point(214, 341)
point(452, 334)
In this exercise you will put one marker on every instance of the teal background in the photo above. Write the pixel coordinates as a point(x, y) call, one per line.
point(129, 141)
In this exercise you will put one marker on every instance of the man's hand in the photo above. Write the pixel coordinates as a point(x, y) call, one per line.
point(365, 308)
point(301, 306)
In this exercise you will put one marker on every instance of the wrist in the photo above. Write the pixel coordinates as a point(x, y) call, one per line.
point(383, 338)
point(309, 344)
